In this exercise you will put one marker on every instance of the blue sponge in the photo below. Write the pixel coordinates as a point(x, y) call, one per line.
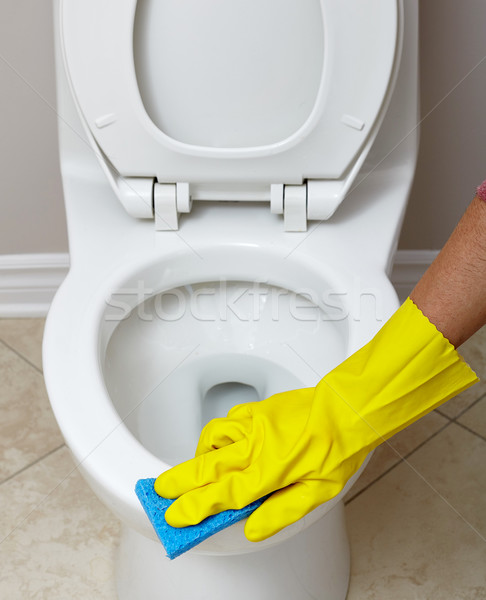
point(177, 540)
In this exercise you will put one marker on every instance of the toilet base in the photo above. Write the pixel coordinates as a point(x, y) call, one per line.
point(314, 564)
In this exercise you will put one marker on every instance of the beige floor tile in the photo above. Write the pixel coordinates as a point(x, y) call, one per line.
point(391, 453)
point(25, 336)
point(474, 352)
point(62, 546)
point(475, 418)
point(28, 429)
point(407, 542)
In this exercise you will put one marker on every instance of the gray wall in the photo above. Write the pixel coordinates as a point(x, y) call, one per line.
point(452, 158)
point(32, 212)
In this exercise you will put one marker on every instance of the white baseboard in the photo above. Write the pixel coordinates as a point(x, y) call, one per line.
point(28, 282)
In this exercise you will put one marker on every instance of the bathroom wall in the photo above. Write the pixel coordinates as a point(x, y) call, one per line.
point(32, 213)
point(452, 157)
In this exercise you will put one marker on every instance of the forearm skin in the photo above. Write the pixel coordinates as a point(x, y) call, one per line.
point(452, 292)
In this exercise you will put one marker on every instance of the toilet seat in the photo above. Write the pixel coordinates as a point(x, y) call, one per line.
point(328, 148)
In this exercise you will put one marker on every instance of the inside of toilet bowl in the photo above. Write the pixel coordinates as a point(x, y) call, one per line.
point(188, 354)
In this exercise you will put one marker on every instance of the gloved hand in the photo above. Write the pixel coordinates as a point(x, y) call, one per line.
point(307, 443)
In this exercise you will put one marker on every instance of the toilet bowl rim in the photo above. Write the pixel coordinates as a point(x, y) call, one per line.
point(339, 277)
point(113, 439)
point(88, 328)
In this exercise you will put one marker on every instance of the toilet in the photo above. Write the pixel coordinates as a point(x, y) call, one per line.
point(235, 178)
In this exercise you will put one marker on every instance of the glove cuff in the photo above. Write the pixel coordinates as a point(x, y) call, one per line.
point(407, 370)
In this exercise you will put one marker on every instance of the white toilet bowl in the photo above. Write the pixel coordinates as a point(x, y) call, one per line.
point(155, 332)
point(132, 383)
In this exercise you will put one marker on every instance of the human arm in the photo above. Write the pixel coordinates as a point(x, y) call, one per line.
point(452, 292)
point(306, 444)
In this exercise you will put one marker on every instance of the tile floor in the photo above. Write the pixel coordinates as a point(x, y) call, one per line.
point(417, 516)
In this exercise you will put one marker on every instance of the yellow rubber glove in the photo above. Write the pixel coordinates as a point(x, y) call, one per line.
point(307, 443)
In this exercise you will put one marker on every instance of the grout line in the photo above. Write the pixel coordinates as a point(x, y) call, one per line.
point(38, 460)
point(482, 397)
point(463, 412)
point(401, 460)
point(21, 356)
point(452, 420)
point(481, 437)
point(78, 463)
point(444, 415)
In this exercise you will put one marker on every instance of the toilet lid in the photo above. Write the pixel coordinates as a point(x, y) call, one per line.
point(270, 91)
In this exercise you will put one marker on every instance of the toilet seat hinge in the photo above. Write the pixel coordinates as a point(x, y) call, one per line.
point(144, 197)
point(291, 202)
point(314, 200)
point(169, 200)
point(295, 207)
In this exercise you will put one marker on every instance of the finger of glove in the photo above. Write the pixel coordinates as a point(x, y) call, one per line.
point(202, 470)
point(234, 491)
point(284, 507)
point(219, 433)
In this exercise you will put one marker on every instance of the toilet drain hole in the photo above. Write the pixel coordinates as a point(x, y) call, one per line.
point(220, 398)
